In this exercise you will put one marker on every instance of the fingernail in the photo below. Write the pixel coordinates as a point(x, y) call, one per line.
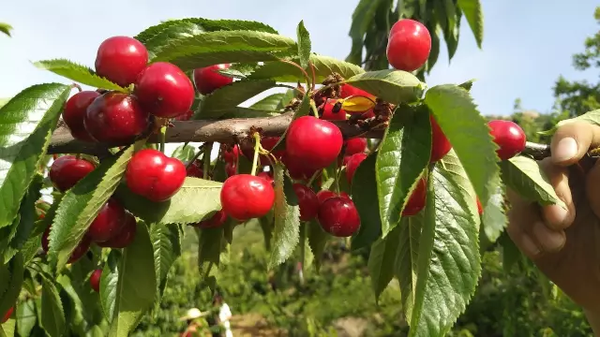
point(555, 214)
point(565, 149)
point(550, 239)
point(528, 246)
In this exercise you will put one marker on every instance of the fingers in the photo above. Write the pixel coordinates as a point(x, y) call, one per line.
point(571, 142)
point(558, 217)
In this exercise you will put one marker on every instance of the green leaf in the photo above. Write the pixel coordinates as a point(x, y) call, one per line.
point(317, 240)
point(266, 225)
point(382, 261)
point(223, 102)
point(467, 131)
point(15, 269)
point(26, 124)
point(364, 195)
point(184, 152)
point(53, 316)
point(136, 286)
point(78, 73)
point(5, 28)
point(166, 240)
point(403, 155)
point(8, 328)
point(273, 102)
point(211, 244)
point(592, 117)
point(196, 199)
point(27, 317)
point(525, 176)
point(304, 44)
point(80, 205)
point(362, 19)
point(287, 220)
point(225, 47)
point(493, 219)
point(474, 14)
point(393, 86)
point(324, 66)
point(109, 282)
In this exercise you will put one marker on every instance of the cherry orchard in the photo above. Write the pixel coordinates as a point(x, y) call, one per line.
point(374, 158)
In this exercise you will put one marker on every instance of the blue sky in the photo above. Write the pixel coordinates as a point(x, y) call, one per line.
point(527, 44)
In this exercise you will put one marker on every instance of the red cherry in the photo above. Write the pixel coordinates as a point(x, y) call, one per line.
point(217, 220)
point(74, 113)
point(479, 207)
point(108, 222)
point(308, 202)
point(208, 79)
point(95, 280)
point(324, 195)
point(230, 169)
point(330, 115)
point(195, 169)
point(231, 154)
point(80, 250)
point(6, 316)
point(244, 196)
point(355, 145)
point(338, 216)
point(509, 136)
point(268, 176)
point(120, 59)
point(115, 117)
point(154, 176)
point(409, 45)
point(125, 236)
point(353, 163)
point(314, 142)
point(347, 90)
point(164, 90)
point(440, 146)
point(298, 170)
point(416, 201)
point(66, 171)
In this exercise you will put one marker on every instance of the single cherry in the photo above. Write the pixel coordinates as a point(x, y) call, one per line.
point(195, 169)
point(416, 201)
point(353, 163)
point(208, 79)
point(244, 196)
point(307, 201)
point(108, 222)
point(509, 136)
point(95, 280)
point(327, 194)
point(440, 146)
point(409, 45)
point(216, 220)
point(355, 145)
point(7, 315)
point(164, 90)
point(314, 142)
point(125, 236)
point(230, 169)
point(74, 113)
point(67, 170)
point(120, 59)
point(115, 117)
point(338, 216)
point(154, 176)
point(231, 153)
point(331, 115)
point(347, 90)
point(268, 176)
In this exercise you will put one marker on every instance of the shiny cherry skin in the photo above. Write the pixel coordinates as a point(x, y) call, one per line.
point(353, 163)
point(338, 216)
point(245, 196)
point(297, 169)
point(95, 280)
point(314, 142)
point(74, 113)
point(409, 45)
point(307, 201)
point(440, 146)
point(347, 90)
point(268, 176)
point(216, 220)
point(115, 117)
point(67, 170)
point(164, 90)
point(186, 116)
point(416, 201)
point(120, 59)
point(355, 145)
point(479, 207)
point(154, 176)
point(195, 169)
point(7, 315)
point(108, 223)
point(208, 79)
point(78, 252)
point(230, 169)
point(330, 115)
point(125, 236)
point(509, 136)
point(326, 194)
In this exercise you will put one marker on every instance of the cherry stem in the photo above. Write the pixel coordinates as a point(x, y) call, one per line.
point(77, 86)
point(314, 77)
point(256, 150)
point(314, 109)
point(308, 81)
point(206, 158)
point(163, 137)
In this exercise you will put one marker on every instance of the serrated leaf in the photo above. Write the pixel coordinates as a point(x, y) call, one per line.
point(225, 47)
point(78, 73)
point(362, 19)
point(287, 220)
point(166, 240)
point(364, 195)
point(393, 86)
point(5, 28)
point(196, 199)
point(26, 124)
point(467, 131)
point(53, 316)
point(132, 298)
point(324, 66)
point(9, 296)
point(382, 261)
point(109, 284)
point(403, 155)
point(474, 14)
point(185, 152)
point(273, 102)
point(525, 176)
point(27, 317)
point(317, 240)
point(80, 205)
point(212, 242)
point(493, 219)
point(304, 44)
point(223, 102)
point(8, 328)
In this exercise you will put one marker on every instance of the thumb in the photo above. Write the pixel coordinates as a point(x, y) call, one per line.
point(572, 141)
